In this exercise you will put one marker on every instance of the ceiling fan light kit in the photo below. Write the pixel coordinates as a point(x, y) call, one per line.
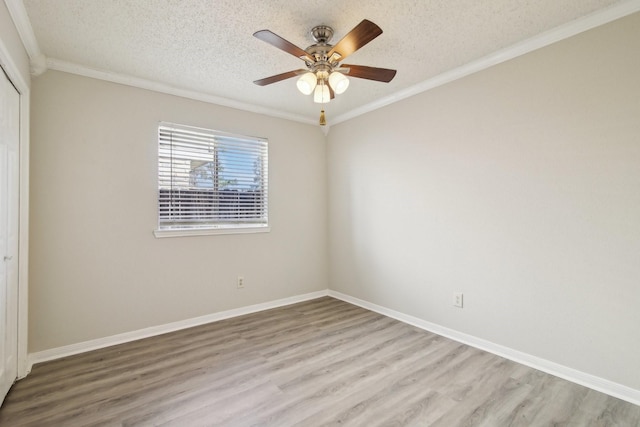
point(321, 94)
point(338, 82)
point(325, 76)
point(307, 82)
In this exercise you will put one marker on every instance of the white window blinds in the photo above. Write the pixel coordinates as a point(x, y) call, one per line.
point(209, 179)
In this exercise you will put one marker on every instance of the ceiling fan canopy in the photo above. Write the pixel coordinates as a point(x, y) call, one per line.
point(325, 75)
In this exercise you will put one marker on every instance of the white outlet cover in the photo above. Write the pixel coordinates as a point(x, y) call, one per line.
point(458, 299)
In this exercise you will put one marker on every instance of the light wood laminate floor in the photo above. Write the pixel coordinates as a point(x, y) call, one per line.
point(316, 363)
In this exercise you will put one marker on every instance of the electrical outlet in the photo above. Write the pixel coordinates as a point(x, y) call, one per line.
point(457, 299)
point(240, 282)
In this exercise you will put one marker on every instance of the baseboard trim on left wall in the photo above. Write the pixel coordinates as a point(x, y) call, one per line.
point(82, 347)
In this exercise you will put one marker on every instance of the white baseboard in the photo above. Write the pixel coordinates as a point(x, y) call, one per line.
point(596, 383)
point(69, 350)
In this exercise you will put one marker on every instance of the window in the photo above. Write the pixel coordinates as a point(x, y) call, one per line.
point(210, 182)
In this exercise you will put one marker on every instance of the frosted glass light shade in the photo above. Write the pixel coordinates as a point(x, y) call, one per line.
point(306, 83)
point(339, 83)
point(321, 94)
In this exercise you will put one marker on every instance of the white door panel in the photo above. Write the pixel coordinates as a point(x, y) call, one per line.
point(9, 224)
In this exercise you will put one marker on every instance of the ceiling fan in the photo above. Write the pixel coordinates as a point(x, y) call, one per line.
point(325, 75)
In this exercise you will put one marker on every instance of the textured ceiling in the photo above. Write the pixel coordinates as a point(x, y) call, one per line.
point(206, 46)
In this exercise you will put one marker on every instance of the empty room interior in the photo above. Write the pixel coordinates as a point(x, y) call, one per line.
point(208, 218)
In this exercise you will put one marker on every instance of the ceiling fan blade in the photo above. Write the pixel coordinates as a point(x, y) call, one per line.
point(362, 34)
point(279, 77)
point(369, 73)
point(275, 40)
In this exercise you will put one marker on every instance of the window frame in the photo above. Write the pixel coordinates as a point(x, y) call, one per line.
point(213, 227)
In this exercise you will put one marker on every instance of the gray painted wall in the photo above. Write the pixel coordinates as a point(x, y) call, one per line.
point(519, 186)
point(96, 268)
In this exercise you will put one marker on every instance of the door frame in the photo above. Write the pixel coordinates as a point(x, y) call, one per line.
point(13, 71)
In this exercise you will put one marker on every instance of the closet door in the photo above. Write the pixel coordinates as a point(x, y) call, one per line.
point(9, 210)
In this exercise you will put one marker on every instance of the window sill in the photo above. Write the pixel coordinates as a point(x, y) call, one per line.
point(186, 232)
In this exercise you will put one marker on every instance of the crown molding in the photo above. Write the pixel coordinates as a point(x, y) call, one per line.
point(21, 20)
point(325, 129)
point(554, 35)
point(23, 25)
point(124, 79)
point(39, 64)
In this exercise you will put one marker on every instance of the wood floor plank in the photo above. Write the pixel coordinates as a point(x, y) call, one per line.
point(322, 362)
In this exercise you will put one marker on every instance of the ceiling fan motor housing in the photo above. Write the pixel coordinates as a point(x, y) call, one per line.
point(323, 65)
